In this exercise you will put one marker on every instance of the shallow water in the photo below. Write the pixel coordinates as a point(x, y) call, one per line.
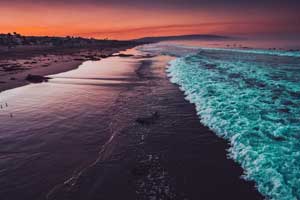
point(51, 130)
point(251, 98)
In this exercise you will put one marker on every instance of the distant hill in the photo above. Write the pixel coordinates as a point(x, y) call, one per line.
point(183, 37)
point(15, 40)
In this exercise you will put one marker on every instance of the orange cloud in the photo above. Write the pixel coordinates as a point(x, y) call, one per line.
point(121, 22)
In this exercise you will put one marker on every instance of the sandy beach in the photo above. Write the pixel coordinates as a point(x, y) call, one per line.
point(149, 100)
point(158, 150)
point(138, 138)
point(16, 64)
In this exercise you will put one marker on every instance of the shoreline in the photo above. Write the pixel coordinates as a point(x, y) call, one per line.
point(159, 150)
point(14, 68)
point(145, 141)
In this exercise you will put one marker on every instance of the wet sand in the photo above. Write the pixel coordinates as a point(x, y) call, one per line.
point(57, 128)
point(16, 64)
point(157, 149)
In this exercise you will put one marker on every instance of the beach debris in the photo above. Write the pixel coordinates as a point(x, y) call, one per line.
point(37, 78)
point(148, 120)
point(124, 55)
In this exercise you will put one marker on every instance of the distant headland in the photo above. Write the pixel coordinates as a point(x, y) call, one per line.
point(184, 37)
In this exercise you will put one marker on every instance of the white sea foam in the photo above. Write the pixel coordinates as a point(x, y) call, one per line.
point(254, 102)
point(259, 51)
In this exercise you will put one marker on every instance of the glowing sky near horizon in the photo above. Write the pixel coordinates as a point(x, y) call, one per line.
point(128, 19)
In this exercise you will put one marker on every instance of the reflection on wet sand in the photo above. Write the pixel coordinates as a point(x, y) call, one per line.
point(53, 129)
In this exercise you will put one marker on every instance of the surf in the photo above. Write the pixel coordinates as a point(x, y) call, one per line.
point(251, 98)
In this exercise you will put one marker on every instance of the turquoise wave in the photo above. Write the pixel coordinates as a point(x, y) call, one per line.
point(259, 51)
point(253, 100)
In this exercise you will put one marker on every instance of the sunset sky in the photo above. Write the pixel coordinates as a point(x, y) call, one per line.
point(126, 19)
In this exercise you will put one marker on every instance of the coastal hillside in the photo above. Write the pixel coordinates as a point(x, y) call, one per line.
point(14, 40)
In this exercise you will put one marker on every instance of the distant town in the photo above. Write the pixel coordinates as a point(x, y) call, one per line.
point(11, 40)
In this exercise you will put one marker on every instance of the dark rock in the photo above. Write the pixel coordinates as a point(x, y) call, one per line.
point(124, 55)
point(95, 59)
point(148, 120)
point(36, 78)
point(79, 59)
point(104, 56)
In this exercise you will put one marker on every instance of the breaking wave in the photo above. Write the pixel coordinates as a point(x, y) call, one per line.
point(252, 99)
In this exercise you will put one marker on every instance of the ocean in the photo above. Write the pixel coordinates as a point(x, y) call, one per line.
point(251, 98)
